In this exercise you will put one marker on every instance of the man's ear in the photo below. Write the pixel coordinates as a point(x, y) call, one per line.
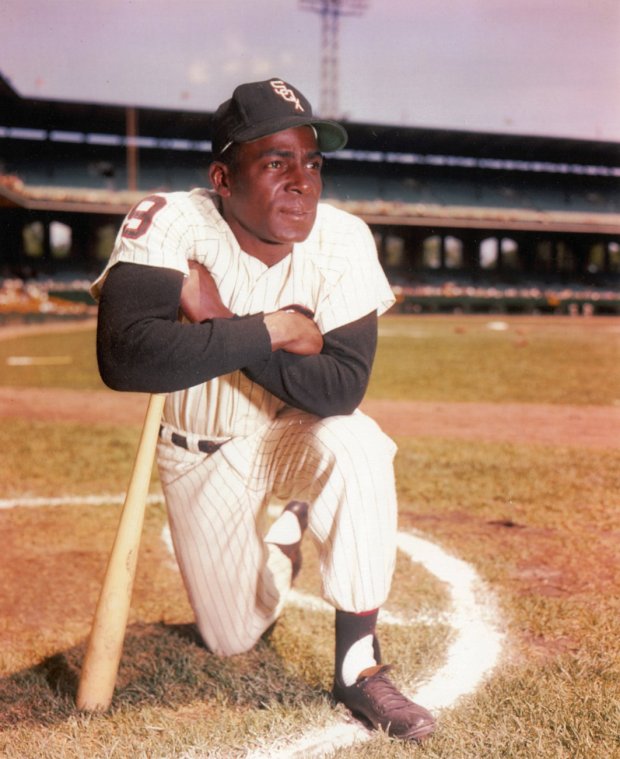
point(219, 174)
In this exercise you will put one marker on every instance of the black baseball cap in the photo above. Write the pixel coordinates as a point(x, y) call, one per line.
point(257, 109)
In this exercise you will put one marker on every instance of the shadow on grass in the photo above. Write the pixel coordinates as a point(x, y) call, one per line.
point(162, 665)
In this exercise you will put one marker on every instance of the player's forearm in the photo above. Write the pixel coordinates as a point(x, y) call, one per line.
point(328, 384)
point(142, 347)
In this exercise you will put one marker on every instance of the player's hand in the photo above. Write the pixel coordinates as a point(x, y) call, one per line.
point(200, 299)
point(293, 332)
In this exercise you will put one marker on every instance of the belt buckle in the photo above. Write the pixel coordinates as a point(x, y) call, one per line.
point(208, 446)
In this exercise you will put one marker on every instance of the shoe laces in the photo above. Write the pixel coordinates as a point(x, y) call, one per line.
point(384, 692)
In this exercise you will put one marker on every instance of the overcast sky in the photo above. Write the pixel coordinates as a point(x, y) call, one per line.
point(547, 67)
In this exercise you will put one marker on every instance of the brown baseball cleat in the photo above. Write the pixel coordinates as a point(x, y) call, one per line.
point(376, 700)
point(293, 550)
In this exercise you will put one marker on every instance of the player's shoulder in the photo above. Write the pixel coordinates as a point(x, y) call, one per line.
point(182, 200)
point(338, 242)
point(339, 232)
point(171, 212)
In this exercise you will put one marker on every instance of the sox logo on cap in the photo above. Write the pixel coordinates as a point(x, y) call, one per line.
point(286, 93)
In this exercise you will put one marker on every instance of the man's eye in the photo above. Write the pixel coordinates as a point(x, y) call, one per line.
point(274, 164)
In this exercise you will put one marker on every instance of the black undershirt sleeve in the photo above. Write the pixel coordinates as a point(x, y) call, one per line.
point(331, 383)
point(142, 347)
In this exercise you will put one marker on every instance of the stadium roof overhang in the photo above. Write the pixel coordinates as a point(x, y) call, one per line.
point(193, 125)
point(484, 145)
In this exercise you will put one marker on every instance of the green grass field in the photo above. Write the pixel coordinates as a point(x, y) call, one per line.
point(539, 523)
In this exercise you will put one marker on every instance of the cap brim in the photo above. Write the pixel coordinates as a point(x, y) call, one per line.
point(330, 135)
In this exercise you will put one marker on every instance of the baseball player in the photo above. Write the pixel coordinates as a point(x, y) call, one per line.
point(279, 296)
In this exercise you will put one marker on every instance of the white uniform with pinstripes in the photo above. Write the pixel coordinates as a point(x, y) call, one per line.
point(341, 465)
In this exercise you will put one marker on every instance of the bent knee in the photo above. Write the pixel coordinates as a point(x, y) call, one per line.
point(232, 645)
point(354, 433)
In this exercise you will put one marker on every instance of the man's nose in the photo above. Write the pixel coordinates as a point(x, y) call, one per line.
point(299, 179)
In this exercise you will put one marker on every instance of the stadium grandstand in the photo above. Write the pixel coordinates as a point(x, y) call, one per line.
point(471, 221)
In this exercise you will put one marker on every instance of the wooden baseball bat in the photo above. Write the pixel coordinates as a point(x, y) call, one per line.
point(105, 645)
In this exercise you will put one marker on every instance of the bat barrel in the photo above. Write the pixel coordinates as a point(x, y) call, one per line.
point(105, 643)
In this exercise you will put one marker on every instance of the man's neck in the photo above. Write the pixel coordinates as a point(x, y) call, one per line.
point(270, 253)
point(269, 257)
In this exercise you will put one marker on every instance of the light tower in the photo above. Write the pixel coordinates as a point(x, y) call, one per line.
point(330, 12)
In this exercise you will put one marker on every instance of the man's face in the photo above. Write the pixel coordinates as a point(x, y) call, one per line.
point(271, 191)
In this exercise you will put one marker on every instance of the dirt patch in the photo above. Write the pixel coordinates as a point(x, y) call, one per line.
point(587, 426)
point(61, 405)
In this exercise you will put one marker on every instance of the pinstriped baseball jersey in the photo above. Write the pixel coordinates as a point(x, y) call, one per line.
point(334, 272)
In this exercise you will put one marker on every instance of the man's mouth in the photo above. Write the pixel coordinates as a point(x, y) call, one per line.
point(297, 212)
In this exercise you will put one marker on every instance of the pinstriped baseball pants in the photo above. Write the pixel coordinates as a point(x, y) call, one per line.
point(237, 584)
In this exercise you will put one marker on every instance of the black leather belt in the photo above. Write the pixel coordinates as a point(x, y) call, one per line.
point(205, 446)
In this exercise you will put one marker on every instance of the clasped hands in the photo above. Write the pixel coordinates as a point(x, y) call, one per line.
point(289, 330)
